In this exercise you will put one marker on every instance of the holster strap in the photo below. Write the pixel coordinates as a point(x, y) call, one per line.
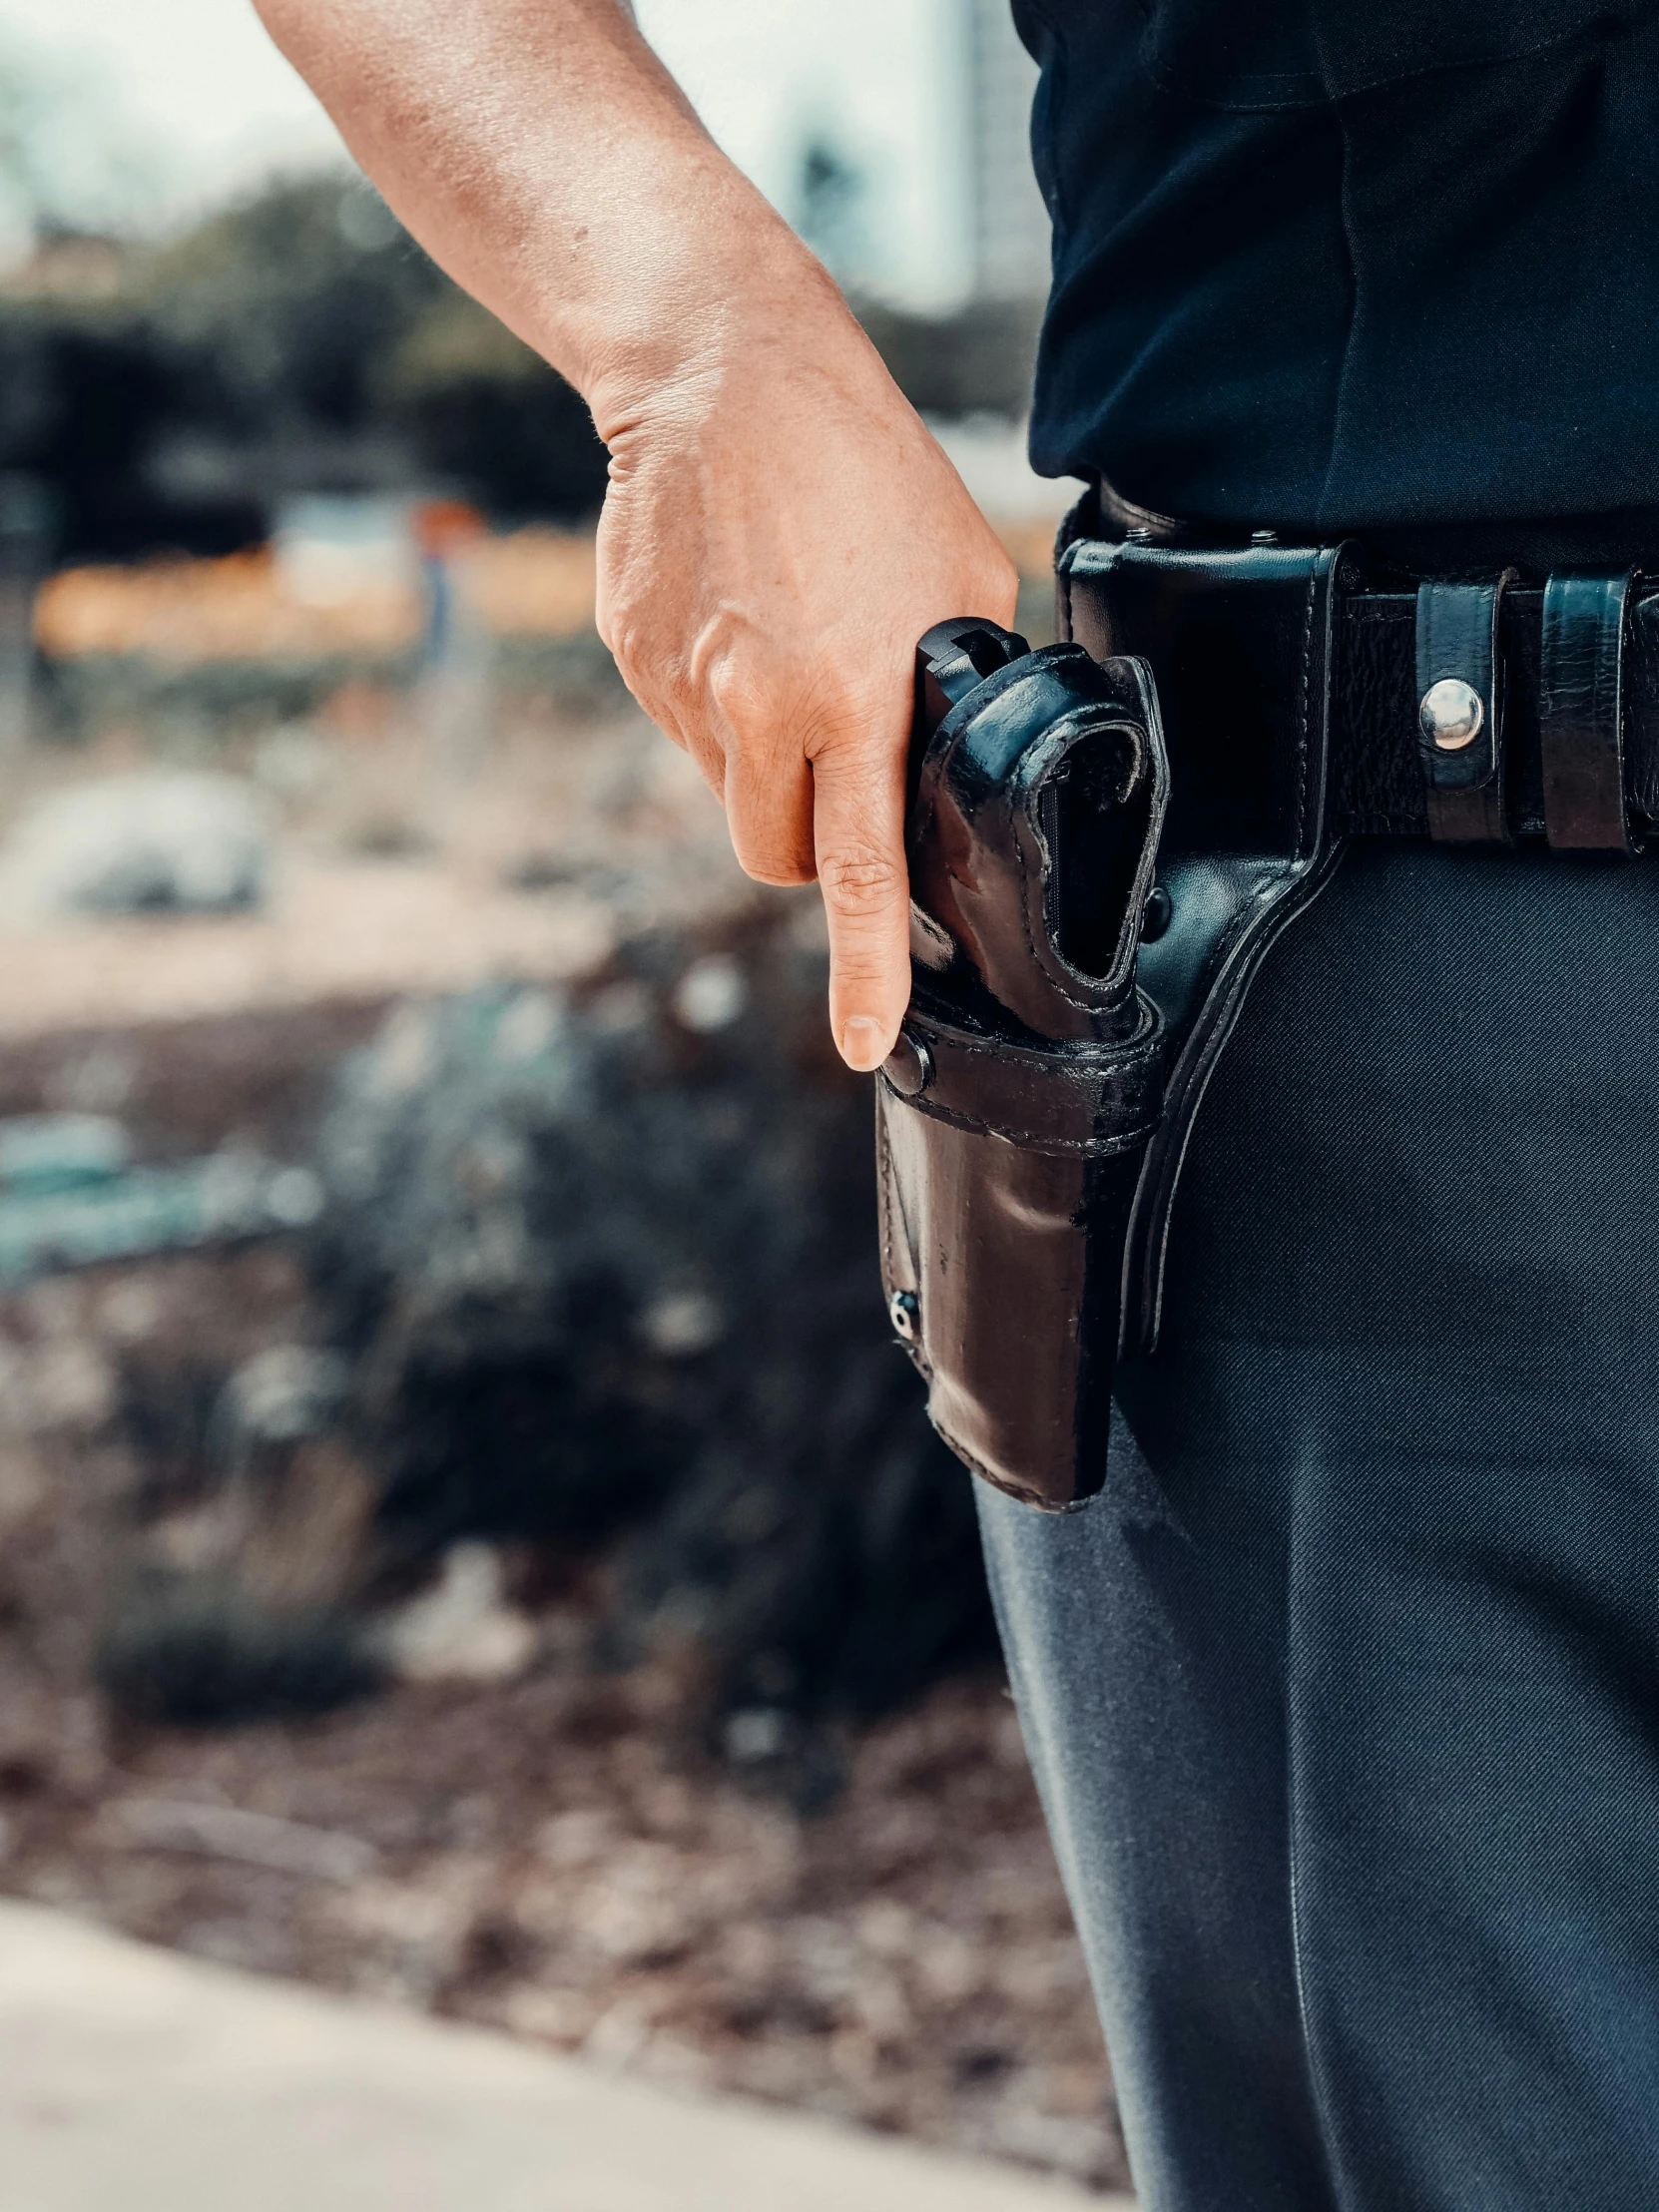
point(1085, 1099)
point(1461, 701)
point(1581, 708)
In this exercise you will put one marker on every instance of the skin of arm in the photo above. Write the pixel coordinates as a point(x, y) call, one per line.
point(780, 527)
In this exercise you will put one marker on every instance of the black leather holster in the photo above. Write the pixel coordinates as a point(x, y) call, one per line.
point(1105, 837)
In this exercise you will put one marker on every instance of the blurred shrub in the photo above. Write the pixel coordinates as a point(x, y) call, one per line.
point(978, 361)
point(486, 412)
point(87, 397)
point(204, 1654)
point(603, 1269)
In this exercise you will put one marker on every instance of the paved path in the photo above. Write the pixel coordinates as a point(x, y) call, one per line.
point(133, 2081)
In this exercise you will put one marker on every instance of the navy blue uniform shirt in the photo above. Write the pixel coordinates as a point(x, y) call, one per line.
point(1338, 264)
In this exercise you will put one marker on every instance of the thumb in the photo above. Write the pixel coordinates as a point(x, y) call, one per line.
point(858, 841)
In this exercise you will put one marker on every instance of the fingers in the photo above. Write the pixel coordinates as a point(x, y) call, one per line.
point(859, 834)
point(839, 814)
point(765, 783)
point(769, 810)
point(812, 775)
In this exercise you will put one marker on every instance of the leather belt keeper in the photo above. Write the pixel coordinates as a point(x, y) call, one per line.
point(1460, 672)
point(1581, 712)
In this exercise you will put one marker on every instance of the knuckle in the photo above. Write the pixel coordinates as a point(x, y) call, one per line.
point(648, 675)
point(625, 642)
point(861, 881)
point(738, 694)
point(771, 858)
point(843, 722)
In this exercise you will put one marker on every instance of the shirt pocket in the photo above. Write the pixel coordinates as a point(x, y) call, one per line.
point(1267, 54)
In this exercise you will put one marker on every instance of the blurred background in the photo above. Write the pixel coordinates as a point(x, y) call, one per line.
point(465, 1532)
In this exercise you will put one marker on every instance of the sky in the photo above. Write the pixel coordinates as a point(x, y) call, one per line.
point(198, 85)
point(764, 74)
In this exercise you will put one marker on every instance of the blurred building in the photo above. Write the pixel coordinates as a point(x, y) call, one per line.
point(1008, 222)
point(895, 132)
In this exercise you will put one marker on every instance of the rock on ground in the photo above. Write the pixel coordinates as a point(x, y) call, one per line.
point(156, 840)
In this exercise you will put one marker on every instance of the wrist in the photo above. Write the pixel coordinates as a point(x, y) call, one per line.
point(701, 298)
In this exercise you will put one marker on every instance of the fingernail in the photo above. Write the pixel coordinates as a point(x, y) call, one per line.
point(863, 1045)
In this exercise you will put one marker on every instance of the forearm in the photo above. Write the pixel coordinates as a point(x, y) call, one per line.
point(780, 528)
point(542, 155)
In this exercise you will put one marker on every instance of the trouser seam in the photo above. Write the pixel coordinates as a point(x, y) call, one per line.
point(1324, 2119)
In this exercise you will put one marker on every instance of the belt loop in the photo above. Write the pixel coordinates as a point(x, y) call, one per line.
point(1581, 712)
point(1460, 710)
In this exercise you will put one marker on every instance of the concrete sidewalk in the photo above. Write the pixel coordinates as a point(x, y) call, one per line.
point(133, 2080)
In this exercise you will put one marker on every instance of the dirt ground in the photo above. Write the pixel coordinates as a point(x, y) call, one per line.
point(398, 867)
point(559, 1852)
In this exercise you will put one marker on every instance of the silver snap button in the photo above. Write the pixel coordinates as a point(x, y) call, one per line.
point(908, 1066)
point(1452, 714)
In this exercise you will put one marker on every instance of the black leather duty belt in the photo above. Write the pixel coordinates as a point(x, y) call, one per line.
point(1470, 711)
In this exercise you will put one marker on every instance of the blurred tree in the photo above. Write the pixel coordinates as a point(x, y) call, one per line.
point(283, 306)
point(300, 342)
point(832, 201)
point(485, 412)
point(317, 318)
point(296, 342)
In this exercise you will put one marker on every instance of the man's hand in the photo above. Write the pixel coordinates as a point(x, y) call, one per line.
point(779, 529)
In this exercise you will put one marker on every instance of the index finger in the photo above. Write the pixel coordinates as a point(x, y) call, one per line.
point(859, 841)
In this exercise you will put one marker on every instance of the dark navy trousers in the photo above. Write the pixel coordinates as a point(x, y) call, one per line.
point(1344, 1694)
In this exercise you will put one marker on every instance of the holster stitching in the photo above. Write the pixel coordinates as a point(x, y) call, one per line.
point(1020, 1493)
point(1304, 695)
point(883, 1176)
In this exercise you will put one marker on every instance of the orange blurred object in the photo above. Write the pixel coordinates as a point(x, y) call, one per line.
point(530, 583)
point(526, 583)
point(444, 526)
